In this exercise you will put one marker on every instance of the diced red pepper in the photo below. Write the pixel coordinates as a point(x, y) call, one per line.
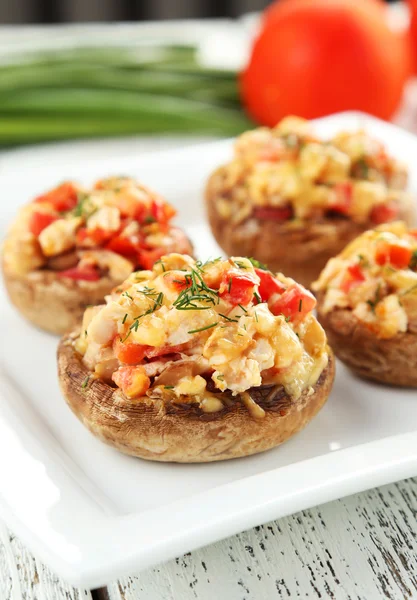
point(269, 285)
point(343, 200)
point(132, 380)
point(39, 221)
point(128, 352)
point(122, 245)
point(147, 258)
point(90, 238)
point(396, 254)
point(384, 213)
point(413, 233)
point(176, 281)
point(273, 213)
point(63, 198)
point(237, 287)
point(352, 277)
point(295, 303)
point(162, 211)
point(86, 273)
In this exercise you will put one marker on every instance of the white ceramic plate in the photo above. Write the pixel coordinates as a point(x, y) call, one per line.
point(93, 514)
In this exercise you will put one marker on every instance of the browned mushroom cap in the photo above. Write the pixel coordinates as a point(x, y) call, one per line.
point(300, 253)
point(392, 361)
point(167, 431)
point(54, 303)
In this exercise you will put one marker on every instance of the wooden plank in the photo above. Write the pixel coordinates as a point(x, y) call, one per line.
point(22, 577)
point(358, 548)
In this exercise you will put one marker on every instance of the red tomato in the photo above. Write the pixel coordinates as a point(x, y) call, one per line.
point(353, 276)
point(63, 198)
point(396, 254)
point(412, 5)
point(128, 352)
point(317, 57)
point(343, 200)
point(84, 273)
point(273, 213)
point(237, 287)
point(269, 285)
point(147, 258)
point(384, 213)
point(295, 303)
point(38, 222)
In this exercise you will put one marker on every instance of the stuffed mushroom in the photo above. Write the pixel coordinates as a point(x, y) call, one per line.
point(367, 303)
point(198, 362)
point(293, 201)
point(69, 247)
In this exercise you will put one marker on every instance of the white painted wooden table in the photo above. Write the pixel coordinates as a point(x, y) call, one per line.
point(360, 548)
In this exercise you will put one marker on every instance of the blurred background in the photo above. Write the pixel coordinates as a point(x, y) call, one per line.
point(62, 11)
point(81, 69)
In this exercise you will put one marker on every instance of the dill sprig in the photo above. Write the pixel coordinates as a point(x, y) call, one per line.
point(204, 328)
point(157, 299)
point(373, 303)
point(85, 382)
point(229, 318)
point(200, 265)
point(240, 264)
point(160, 262)
point(258, 264)
point(85, 207)
point(197, 295)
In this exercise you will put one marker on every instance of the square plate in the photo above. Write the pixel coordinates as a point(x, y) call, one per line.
point(93, 514)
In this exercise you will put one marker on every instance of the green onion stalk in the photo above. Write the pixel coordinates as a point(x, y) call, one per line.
point(89, 92)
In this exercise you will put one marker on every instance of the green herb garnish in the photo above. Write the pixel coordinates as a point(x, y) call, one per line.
point(300, 305)
point(374, 302)
point(85, 382)
point(240, 265)
point(243, 308)
point(157, 303)
point(413, 261)
point(228, 318)
point(211, 261)
point(203, 328)
point(361, 168)
point(258, 264)
point(198, 295)
point(160, 262)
